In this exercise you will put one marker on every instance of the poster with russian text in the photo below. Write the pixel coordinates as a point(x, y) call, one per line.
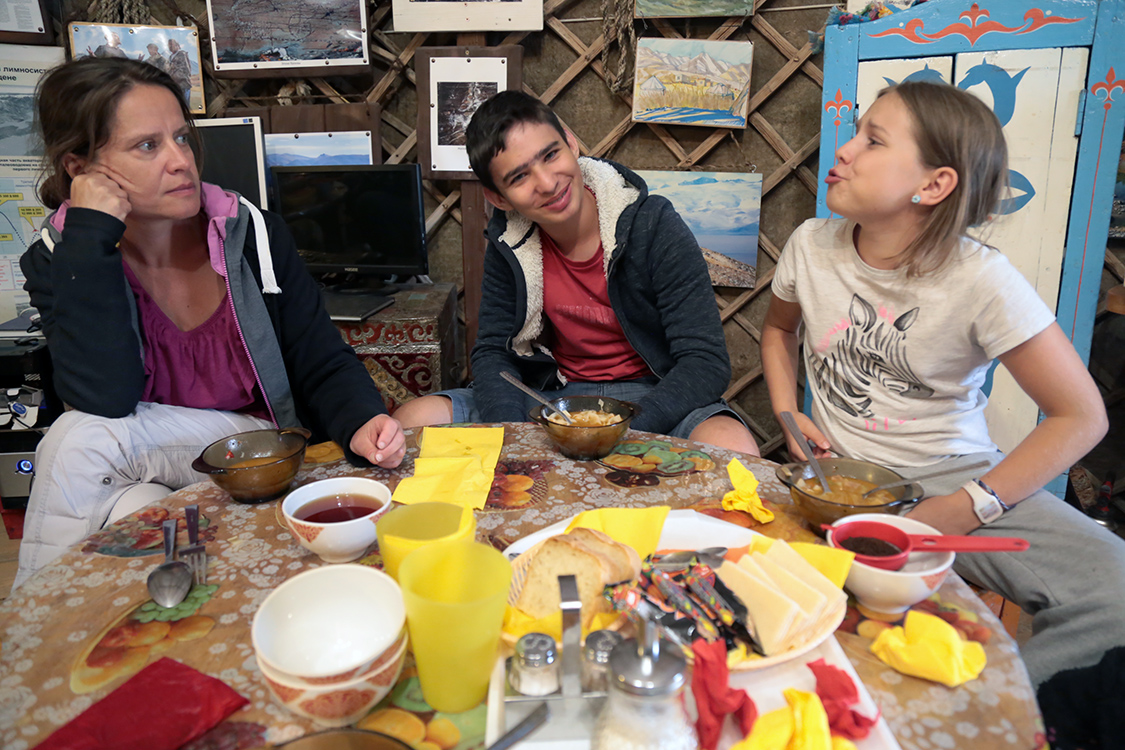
point(21, 213)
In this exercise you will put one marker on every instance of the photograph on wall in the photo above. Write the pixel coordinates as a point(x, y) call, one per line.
point(692, 82)
point(452, 83)
point(722, 210)
point(476, 15)
point(315, 149)
point(21, 152)
point(173, 49)
point(317, 38)
point(692, 8)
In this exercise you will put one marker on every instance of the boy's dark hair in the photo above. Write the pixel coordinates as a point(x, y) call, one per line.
point(488, 130)
point(76, 104)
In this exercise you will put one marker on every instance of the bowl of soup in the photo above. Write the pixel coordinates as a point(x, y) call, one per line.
point(599, 423)
point(256, 466)
point(848, 480)
point(335, 518)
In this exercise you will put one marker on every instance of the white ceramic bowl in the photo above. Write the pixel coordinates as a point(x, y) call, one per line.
point(328, 625)
point(342, 541)
point(896, 590)
point(344, 703)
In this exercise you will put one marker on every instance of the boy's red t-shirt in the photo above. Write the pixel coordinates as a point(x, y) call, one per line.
point(589, 344)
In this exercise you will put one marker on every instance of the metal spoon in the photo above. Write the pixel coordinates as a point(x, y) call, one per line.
point(931, 475)
point(791, 425)
point(710, 556)
point(170, 583)
point(534, 394)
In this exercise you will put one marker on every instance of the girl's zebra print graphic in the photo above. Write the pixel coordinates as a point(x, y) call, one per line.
point(870, 351)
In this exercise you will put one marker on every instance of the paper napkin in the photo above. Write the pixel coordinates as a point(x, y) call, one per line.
point(832, 562)
point(640, 528)
point(744, 496)
point(518, 624)
point(838, 693)
point(929, 647)
point(164, 706)
point(714, 697)
point(455, 465)
point(802, 725)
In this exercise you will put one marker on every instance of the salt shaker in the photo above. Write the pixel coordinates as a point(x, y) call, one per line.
point(535, 668)
point(595, 659)
point(644, 709)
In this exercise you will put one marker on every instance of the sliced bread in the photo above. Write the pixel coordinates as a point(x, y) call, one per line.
point(562, 555)
point(626, 561)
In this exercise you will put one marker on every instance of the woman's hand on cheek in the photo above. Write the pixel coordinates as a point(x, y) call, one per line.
point(380, 441)
point(949, 514)
point(96, 190)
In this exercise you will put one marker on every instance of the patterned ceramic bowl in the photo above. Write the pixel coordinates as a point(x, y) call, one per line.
point(343, 703)
point(328, 626)
point(336, 541)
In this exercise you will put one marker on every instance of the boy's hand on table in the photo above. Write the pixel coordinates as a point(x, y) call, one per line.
point(380, 441)
point(949, 514)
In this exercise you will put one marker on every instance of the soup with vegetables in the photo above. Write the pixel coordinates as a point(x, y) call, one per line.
point(845, 491)
point(586, 418)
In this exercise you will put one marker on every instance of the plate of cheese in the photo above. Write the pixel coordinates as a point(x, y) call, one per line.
point(792, 607)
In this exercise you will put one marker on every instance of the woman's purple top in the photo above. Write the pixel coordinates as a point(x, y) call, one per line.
point(204, 368)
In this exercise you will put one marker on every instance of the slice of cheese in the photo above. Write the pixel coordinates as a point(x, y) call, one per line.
point(771, 615)
point(801, 623)
point(811, 601)
point(788, 558)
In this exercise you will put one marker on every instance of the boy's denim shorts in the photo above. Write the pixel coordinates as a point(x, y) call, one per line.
point(465, 408)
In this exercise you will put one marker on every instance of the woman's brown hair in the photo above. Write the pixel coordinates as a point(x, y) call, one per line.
point(953, 129)
point(75, 108)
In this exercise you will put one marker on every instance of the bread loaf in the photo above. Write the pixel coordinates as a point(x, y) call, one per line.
point(563, 555)
point(626, 561)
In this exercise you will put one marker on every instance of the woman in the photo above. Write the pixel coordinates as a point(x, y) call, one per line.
point(175, 313)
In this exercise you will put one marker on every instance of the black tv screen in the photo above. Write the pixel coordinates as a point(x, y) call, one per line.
point(357, 219)
point(233, 157)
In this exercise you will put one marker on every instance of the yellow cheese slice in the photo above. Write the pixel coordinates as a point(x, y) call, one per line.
point(786, 557)
point(811, 601)
point(771, 614)
point(801, 623)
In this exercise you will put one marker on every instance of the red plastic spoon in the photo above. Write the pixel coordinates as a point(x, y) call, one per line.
point(902, 544)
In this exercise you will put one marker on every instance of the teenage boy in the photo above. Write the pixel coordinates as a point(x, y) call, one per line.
point(591, 287)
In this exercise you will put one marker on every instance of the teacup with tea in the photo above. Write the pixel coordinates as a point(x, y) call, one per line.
point(335, 518)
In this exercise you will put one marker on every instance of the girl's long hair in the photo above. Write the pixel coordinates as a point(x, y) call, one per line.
point(953, 129)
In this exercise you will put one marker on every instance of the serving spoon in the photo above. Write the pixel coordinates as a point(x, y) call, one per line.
point(791, 425)
point(534, 394)
point(170, 583)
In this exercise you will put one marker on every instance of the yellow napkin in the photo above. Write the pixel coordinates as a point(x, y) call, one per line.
point(455, 465)
point(930, 648)
point(516, 623)
point(832, 562)
point(638, 527)
point(744, 496)
point(802, 725)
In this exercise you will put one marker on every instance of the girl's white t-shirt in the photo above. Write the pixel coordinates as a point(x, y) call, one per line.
point(896, 364)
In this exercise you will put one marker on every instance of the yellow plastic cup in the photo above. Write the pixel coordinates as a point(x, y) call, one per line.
point(455, 595)
point(408, 527)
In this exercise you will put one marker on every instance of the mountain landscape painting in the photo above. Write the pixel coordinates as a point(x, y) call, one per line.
point(722, 210)
point(692, 82)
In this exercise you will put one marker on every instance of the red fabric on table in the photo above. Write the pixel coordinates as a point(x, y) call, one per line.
point(714, 697)
point(165, 705)
point(838, 693)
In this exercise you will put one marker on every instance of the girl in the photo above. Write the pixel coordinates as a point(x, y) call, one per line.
point(175, 313)
point(903, 314)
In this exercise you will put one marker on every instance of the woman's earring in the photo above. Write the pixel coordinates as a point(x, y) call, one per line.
point(916, 199)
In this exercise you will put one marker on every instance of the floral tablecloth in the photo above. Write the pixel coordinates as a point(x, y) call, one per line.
point(85, 624)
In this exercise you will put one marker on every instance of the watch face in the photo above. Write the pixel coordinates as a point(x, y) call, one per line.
point(989, 511)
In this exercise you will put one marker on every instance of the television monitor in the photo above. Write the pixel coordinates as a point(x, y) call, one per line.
point(233, 157)
point(355, 220)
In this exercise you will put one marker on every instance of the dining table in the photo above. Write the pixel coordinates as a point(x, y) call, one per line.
point(73, 632)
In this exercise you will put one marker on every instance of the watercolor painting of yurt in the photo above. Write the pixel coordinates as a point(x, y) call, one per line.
point(692, 82)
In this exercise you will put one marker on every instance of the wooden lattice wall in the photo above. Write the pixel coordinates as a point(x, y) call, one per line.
point(563, 67)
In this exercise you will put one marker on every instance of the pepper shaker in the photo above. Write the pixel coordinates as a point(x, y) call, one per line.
point(535, 668)
point(595, 659)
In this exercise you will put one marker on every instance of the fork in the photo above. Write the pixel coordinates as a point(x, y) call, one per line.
point(195, 554)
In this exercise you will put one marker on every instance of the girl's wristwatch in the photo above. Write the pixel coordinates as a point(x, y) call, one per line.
point(986, 504)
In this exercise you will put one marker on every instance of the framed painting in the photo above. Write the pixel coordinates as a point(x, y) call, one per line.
point(722, 210)
point(25, 22)
point(452, 83)
point(267, 38)
point(485, 15)
point(173, 49)
point(692, 82)
point(692, 8)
